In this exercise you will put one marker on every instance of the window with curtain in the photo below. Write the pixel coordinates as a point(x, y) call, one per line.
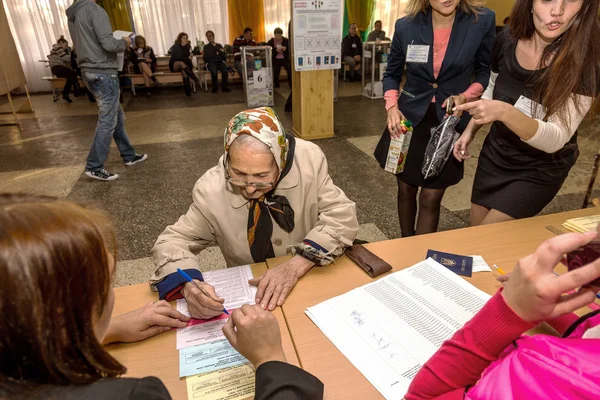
point(388, 12)
point(160, 21)
point(277, 14)
point(35, 26)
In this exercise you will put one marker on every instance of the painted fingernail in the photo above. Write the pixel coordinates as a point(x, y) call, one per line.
point(462, 153)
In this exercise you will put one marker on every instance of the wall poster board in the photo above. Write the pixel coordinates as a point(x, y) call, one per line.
point(317, 34)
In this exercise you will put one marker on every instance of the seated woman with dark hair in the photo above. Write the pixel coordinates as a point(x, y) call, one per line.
point(56, 314)
point(181, 61)
point(144, 61)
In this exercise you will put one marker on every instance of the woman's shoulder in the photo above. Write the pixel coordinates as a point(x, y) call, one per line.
point(150, 388)
point(485, 16)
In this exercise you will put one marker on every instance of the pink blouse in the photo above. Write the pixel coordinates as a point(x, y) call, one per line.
point(441, 37)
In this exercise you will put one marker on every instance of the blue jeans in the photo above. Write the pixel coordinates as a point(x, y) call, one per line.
point(111, 120)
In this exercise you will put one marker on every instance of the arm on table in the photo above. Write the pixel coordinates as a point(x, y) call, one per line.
point(334, 230)
point(178, 247)
point(277, 380)
point(477, 344)
point(337, 223)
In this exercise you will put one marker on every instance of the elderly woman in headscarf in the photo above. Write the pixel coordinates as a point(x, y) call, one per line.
point(270, 194)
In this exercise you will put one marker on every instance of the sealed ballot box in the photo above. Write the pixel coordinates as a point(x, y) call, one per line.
point(398, 150)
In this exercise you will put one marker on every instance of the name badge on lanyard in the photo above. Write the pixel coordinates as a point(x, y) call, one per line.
point(417, 53)
point(353, 45)
point(530, 108)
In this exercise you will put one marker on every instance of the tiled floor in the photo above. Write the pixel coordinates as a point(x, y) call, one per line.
point(183, 137)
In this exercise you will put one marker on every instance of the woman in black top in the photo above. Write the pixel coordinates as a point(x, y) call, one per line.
point(545, 73)
point(280, 56)
point(181, 61)
point(56, 314)
point(144, 61)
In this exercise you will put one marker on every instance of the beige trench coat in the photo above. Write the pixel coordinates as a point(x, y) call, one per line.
point(219, 214)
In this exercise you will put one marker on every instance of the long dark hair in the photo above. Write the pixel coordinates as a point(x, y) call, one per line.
point(181, 34)
point(54, 264)
point(572, 61)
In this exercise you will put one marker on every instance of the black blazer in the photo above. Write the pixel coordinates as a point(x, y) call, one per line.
point(285, 43)
point(469, 52)
point(274, 381)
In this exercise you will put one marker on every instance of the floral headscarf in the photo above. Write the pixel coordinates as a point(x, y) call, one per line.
point(262, 124)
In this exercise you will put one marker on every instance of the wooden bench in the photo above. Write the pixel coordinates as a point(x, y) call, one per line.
point(57, 85)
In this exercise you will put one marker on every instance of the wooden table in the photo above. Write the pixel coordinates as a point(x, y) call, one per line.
point(158, 356)
point(501, 244)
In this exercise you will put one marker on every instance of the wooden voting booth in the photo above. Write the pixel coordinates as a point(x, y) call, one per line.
point(11, 71)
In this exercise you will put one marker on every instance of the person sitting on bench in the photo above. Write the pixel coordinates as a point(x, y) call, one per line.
point(60, 65)
point(144, 61)
point(214, 57)
point(180, 61)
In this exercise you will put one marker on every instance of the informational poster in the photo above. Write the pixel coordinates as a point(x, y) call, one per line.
point(317, 34)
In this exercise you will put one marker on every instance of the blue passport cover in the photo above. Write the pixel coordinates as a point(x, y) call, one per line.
point(461, 265)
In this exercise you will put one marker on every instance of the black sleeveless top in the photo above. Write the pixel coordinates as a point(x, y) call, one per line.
point(502, 145)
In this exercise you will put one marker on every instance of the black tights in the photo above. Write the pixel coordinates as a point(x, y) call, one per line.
point(429, 209)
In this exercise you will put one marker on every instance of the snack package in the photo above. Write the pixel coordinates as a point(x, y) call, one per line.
point(585, 255)
point(440, 147)
point(396, 157)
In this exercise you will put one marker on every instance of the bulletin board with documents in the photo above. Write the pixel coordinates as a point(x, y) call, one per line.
point(317, 34)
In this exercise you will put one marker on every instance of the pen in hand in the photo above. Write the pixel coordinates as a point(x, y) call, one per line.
point(189, 279)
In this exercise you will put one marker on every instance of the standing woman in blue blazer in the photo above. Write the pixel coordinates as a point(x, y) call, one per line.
point(446, 47)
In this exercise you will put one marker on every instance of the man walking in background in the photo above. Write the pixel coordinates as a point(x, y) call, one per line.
point(97, 50)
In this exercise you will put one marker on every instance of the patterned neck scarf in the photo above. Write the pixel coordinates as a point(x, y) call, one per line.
point(262, 124)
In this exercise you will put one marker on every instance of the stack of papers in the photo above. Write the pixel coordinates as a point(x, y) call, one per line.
point(212, 367)
point(582, 224)
point(389, 328)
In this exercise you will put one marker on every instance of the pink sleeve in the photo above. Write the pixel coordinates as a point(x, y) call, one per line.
point(476, 345)
point(562, 323)
point(474, 92)
point(391, 99)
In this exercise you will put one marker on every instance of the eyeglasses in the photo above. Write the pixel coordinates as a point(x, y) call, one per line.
point(244, 184)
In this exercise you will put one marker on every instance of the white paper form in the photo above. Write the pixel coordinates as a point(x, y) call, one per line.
point(388, 329)
point(230, 284)
point(479, 264)
point(121, 56)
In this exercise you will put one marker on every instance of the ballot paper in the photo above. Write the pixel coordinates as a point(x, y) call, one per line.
point(582, 224)
point(231, 383)
point(121, 55)
point(232, 285)
point(208, 357)
point(389, 328)
point(479, 264)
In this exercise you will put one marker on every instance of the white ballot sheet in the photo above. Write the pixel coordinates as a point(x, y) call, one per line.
point(121, 55)
point(230, 284)
point(479, 264)
point(388, 329)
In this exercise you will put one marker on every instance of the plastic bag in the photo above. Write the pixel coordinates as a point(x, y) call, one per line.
point(440, 147)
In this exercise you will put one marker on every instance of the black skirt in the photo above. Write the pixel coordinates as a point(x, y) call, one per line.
point(453, 170)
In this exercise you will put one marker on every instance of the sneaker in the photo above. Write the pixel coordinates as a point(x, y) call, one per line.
point(102, 175)
point(137, 159)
